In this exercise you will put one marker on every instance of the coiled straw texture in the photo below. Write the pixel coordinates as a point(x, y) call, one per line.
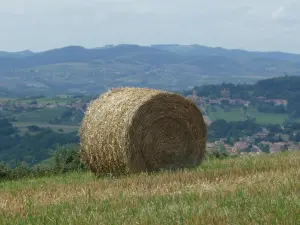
point(129, 130)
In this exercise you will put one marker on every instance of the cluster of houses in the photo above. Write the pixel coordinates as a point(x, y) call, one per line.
point(247, 145)
point(239, 147)
point(78, 105)
point(225, 93)
point(201, 101)
point(277, 102)
point(244, 144)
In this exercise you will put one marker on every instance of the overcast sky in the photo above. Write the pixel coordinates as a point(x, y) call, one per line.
point(254, 25)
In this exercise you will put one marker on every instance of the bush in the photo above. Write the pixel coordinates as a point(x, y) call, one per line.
point(33, 128)
point(65, 159)
point(7, 173)
point(4, 171)
point(217, 154)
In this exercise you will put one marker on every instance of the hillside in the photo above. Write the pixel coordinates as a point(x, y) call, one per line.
point(246, 190)
point(75, 69)
point(200, 50)
point(40, 123)
point(16, 54)
point(283, 88)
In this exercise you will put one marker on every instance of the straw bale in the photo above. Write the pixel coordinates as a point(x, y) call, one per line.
point(129, 130)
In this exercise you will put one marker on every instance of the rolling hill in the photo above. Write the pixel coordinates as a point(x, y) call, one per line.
point(75, 69)
point(16, 54)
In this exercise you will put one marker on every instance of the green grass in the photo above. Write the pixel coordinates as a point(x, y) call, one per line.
point(40, 100)
point(22, 126)
point(267, 118)
point(40, 116)
point(53, 100)
point(248, 190)
point(236, 114)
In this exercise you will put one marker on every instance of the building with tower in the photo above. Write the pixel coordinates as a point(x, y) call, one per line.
point(225, 93)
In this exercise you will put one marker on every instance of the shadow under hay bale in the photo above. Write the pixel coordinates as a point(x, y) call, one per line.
point(129, 130)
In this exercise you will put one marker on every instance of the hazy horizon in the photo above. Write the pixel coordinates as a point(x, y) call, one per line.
point(94, 47)
point(252, 26)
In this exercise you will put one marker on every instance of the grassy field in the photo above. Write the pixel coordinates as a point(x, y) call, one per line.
point(40, 116)
point(23, 126)
point(249, 190)
point(53, 100)
point(236, 114)
point(267, 118)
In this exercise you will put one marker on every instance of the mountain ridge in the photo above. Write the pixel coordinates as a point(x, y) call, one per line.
point(172, 67)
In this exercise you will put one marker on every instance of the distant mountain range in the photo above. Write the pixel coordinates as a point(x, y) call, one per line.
point(16, 54)
point(78, 69)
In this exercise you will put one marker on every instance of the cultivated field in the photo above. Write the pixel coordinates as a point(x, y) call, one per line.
point(237, 114)
point(40, 116)
point(56, 127)
point(268, 118)
point(249, 190)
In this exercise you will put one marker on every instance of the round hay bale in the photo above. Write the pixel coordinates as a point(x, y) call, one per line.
point(141, 130)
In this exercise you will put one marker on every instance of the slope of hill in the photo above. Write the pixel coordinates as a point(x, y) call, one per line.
point(246, 190)
point(284, 87)
point(200, 50)
point(73, 54)
point(75, 69)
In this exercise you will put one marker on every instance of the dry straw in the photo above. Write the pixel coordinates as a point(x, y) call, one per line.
point(130, 130)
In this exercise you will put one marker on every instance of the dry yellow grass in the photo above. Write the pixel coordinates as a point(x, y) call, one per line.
point(130, 130)
point(255, 190)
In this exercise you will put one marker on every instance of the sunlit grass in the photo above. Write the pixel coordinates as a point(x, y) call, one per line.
point(251, 190)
